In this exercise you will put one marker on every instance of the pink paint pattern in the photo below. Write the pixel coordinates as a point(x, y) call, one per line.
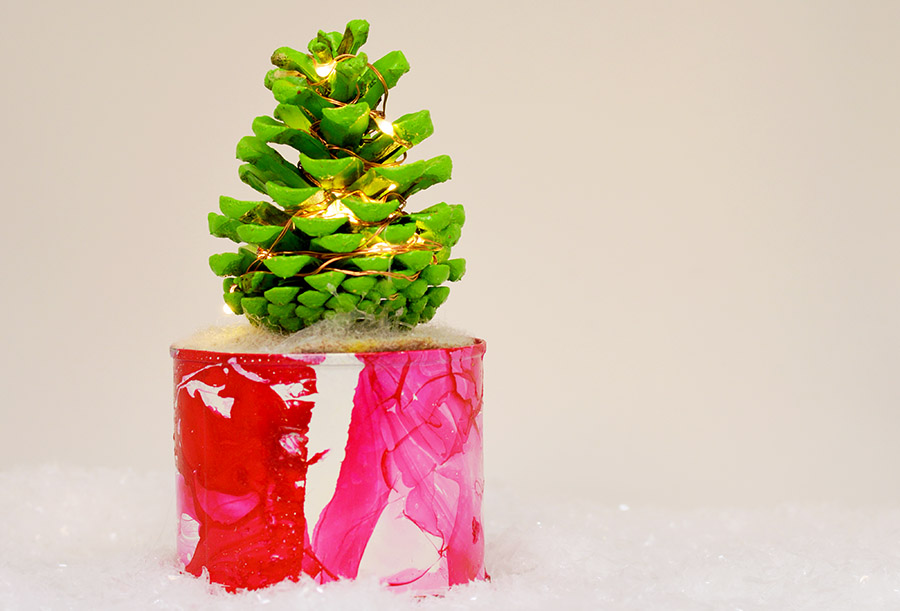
point(412, 464)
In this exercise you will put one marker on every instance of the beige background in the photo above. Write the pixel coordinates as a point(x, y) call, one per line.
point(682, 233)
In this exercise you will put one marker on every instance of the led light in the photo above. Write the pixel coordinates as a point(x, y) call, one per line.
point(226, 309)
point(324, 70)
point(385, 126)
point(337, 210)
point(380, 247)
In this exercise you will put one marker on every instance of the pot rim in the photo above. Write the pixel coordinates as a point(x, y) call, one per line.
point(477, 347)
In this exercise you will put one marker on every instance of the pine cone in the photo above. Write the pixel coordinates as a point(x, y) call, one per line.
point(336, 236)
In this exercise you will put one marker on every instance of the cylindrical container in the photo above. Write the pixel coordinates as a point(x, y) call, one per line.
point(330, 465)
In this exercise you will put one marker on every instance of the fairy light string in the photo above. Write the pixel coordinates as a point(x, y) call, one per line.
point(315, 209)
point(330, 167)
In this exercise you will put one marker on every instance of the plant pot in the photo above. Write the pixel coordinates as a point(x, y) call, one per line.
point(330, 465)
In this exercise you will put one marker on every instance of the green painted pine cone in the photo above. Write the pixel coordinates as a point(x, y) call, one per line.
point(336, 237)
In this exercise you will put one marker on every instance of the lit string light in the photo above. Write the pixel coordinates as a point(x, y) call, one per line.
point(323, 70)
point(385, 126)
point(330, 206)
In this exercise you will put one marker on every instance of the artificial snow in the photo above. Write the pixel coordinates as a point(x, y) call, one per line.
point(340, 334)
point(105, 539)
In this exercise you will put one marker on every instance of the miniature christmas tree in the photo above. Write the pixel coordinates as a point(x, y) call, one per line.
point(336, 237)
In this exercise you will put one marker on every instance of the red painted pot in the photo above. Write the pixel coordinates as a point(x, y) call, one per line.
point(330, 465)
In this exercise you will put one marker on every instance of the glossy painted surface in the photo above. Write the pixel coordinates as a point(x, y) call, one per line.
point(333, 466)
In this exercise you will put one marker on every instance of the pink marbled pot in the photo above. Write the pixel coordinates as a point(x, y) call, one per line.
point(331, 465)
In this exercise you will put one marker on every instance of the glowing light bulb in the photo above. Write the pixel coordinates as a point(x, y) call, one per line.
point(385, 126)
point(324, 70)
point(380, 247)
point(337, 210)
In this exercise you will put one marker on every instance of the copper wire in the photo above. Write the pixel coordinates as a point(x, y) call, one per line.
point(309, 211)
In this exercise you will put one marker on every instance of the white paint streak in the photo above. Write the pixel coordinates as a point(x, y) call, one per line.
point(336, 380)
point(290, 392)
point(292, 443)
point(247, 374)
point(188, 538)
point(184, 379)
point(210, 397)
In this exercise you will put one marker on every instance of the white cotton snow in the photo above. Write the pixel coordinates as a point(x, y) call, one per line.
point(105, 539)
point(336, 335)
